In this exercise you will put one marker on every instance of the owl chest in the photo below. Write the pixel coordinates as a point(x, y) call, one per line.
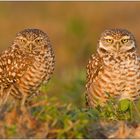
point(34, 75)
point(122, 71)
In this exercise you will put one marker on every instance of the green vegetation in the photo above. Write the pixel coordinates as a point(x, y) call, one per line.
point(74, 28)
point(51, 117)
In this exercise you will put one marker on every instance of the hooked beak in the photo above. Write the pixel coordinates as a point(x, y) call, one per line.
point(30, 46)
point(117, 46)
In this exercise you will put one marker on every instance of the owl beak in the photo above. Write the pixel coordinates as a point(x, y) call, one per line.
point(117, 47)
point(30, 47)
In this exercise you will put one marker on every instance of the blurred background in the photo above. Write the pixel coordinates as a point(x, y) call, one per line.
point(74, 29)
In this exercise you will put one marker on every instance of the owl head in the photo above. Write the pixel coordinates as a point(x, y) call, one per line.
point(32, 40)
point(117, 41)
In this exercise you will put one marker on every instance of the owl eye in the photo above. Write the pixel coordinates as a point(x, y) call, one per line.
point(23, 40)
point(109, 40)
point(38, 40)
point(124, 40)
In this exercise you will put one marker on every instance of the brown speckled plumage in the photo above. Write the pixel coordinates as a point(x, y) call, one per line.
point(26, 64)
point(114, 69)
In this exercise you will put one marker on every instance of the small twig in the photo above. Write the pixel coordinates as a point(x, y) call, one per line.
point(39, 104)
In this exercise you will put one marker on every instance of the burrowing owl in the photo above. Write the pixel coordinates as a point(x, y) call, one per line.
point(26, 64)
point(114, 71)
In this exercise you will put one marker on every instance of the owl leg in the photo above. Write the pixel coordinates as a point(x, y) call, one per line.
point(7, 95)
point(1, 95)
point(22, 106)
point(1, 90)
point(4, 94)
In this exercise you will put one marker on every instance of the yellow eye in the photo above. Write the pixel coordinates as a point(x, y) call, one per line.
point(38, 40)
point(124, 40)
point(109, 40)
point(23, 40)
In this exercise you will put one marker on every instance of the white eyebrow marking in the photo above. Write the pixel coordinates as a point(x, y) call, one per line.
point(126, 37)
point(20, 37)
point(108, 37)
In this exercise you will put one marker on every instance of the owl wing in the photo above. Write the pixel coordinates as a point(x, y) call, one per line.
point(13, 64)
point(95, 64)
point(139, 75)
point(49, 65)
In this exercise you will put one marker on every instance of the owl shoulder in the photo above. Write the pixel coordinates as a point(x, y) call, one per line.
point(95, 64)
